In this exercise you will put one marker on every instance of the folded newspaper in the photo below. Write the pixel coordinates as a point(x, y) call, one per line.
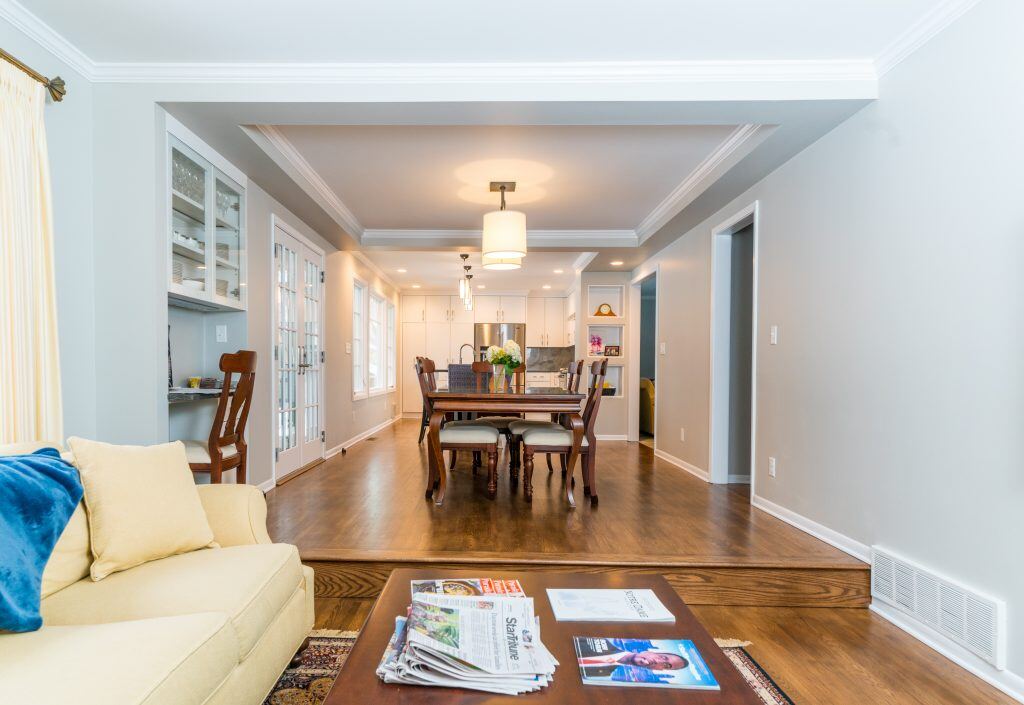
point(489, 643)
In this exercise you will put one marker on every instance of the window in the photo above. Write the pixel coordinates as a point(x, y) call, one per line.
point(375, 345)
point(392, 348)
point(358, 340)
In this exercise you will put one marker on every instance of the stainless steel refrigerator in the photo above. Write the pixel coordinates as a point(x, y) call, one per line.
point(488, 334)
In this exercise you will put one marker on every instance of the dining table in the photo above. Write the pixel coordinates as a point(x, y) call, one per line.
point(486, 398)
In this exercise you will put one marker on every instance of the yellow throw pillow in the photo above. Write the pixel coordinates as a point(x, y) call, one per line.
point(142, 504)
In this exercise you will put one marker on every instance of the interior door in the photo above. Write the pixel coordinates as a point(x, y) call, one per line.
point(298, 359)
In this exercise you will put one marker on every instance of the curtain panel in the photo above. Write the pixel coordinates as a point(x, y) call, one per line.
point(30, 399)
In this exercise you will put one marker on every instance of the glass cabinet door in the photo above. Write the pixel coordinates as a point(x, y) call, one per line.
point(229, 278)
point(189, 215)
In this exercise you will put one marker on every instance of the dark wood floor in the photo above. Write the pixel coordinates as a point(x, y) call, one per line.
point(818, 656)
point(369, 503)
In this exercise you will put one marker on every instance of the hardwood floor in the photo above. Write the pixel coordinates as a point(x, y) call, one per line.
point(369, 503)
point(818, 656)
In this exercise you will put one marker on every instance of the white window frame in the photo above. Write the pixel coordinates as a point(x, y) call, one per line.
point(359, 357)
point(392, 347)
point(376, 314)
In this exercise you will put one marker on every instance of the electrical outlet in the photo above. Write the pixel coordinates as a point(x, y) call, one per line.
point(348, 348)
point(771, 466)
point(662, 348)
point(222, 334)
point(682, 434)
point(773, 335)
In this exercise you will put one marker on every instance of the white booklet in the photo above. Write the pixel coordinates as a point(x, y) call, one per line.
point(628, 605)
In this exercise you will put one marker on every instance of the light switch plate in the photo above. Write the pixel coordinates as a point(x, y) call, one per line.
point(348, 348)
point(222, 334)
point(771, 466)
point(662, 348)
point(773, 335)
point(682, 435)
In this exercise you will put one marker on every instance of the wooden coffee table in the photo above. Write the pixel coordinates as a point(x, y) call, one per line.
point(358, 684)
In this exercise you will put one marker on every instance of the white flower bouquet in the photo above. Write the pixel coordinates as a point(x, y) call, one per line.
point(510, 355)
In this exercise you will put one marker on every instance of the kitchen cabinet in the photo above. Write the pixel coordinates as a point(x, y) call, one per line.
point(460, 314)
point(459, 335)
point(499, 309)
point(545, 323)
point(413, 309)
point(206, 235)
point(436, 309)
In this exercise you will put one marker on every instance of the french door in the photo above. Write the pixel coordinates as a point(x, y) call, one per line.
point(298, 354)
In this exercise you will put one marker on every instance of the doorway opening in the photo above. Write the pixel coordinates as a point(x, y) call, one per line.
point(648, 358)
point(733, 347)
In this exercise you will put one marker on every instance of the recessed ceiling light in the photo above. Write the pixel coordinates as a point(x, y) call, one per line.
point(480, 286)
point(546, 286)
point(617, 263)
point(402, 271)
point(558, 271)
point(415, 286)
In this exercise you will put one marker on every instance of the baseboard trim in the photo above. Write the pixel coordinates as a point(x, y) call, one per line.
point(1006, 681)
point(266, 485)
point(845, 544)
point(611, 437)
point(738, 479)
point(360, 437)
point(692, 469)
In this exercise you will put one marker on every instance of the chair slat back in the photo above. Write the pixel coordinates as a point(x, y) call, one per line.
point(595, 390)
point(426, 376)
point(482, 372)
point(233, 409)
point(575, 375)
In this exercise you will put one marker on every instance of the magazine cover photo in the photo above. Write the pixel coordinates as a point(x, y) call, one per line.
point(658, 663)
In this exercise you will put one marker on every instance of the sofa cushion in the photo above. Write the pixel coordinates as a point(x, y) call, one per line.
point(248, 583)
point(71, 557)
point(141, 501)
point(165, 661)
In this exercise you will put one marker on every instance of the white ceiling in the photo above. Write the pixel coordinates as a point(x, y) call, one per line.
point(440, 272)
point(469, 30)
point(568, 177)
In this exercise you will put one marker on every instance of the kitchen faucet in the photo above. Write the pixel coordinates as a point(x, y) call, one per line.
point(471, 350)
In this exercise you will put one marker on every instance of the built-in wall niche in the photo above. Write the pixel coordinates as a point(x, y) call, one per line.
point(605, 301)
point(613, 381)
point(604, 341)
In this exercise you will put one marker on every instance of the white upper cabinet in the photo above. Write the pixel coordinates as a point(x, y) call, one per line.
point(554, 322)
point(437, 309)
point(535, 322)
point(459, 313)
point(513, 309)
point(412, 309)
point(486, 309)
point(206, 248)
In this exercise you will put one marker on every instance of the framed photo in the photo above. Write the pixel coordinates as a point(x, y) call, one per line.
point(612, 351)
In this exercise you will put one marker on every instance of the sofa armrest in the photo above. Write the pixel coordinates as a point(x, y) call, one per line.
point(237, 514)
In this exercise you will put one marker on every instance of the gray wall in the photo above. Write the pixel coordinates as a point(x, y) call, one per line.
point(889, 257)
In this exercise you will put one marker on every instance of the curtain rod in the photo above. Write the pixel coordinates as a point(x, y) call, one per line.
point(54, 85)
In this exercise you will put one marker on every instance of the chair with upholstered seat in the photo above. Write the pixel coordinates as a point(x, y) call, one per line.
point(518, 426)
point(225, 449)
point(558, 439)
point(459, 435)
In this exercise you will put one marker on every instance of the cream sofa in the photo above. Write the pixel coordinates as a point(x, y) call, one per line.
point(217, 625)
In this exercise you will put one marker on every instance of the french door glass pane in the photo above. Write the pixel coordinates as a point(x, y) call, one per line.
point(287, 343)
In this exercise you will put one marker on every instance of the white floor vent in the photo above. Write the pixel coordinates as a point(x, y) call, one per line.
point(974, 621)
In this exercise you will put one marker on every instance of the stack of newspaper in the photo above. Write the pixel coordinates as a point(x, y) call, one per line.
point(488, 642)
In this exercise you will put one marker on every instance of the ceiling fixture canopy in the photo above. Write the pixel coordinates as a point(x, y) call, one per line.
point(504, 230)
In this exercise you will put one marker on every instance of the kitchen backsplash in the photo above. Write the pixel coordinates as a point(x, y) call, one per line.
point(549, 359)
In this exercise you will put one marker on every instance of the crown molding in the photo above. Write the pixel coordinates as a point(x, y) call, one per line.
point(288, 158)
point(920, 33)
point(535, 238)
point(47, 37)
point(372, 266)
point(698, 180)
point(658, 72)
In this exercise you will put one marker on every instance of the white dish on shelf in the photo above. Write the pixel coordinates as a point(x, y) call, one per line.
point(193, 283)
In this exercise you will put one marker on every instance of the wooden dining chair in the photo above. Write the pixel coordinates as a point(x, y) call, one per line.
point(482, 372)
point(517, 427)
point(558, 439)
point(458, 435)
point(226, 449)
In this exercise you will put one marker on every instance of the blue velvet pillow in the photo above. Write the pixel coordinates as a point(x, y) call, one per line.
point(38, 494)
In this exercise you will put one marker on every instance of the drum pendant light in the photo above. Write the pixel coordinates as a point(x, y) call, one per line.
point(504, 230)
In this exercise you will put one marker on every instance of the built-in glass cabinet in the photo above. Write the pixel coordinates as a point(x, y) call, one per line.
point(206, 231)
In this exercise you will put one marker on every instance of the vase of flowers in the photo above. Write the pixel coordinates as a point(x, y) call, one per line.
point(505, 359)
